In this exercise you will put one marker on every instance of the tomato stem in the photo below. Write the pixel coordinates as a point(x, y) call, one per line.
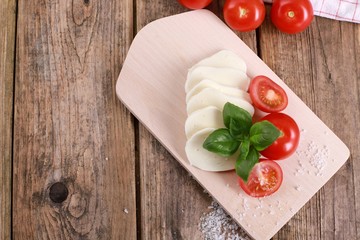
point(291, 14)
point(242, 12)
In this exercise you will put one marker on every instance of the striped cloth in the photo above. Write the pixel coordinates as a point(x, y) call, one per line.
point(342, 10)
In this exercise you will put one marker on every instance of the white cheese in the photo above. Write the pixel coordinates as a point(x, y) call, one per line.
point(203, 159)
point(231, 91)
point(212, 97)
point(208, 117)
point(223, 58)
point(227, 76)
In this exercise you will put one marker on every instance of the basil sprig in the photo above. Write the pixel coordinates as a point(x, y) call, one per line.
point(241, 134)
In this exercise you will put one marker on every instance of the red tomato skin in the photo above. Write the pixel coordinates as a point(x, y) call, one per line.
point(287, 143)
point(195, 4)
point(302, 18)
point(252, 17)
point(262, 82)
point(251, 189)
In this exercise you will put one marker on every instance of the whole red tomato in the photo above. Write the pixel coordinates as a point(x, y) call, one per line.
point(244, 15)
point(195, 4)
point(291, 16)
point(289, 138)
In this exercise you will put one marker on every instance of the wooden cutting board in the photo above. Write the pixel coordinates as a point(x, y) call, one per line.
point(151, 85)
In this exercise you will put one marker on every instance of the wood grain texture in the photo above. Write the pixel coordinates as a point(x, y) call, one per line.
point(69, 125)
point(322, 66)
point(152, 72)
point(71, 128)
point(7, 54)
point(171, 202)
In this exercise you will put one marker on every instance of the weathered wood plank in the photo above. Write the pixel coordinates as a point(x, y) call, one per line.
point(7, 53)
point(69, 125)
point(321, 66)
point(171, 201)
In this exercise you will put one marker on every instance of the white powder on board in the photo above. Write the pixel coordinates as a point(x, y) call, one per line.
point(318, 157)
point(218, 225)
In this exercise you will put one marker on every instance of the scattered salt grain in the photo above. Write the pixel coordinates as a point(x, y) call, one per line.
point(298, 188)
point(126, 211)
point(318, 157)
point(245, 204)
point(217, 225)
point(241, 215)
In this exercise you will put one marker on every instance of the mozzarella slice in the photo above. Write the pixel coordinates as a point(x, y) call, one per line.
point(226, 76)
point(223, 58)
point(212, 97)
point(202, 158)
point(208, 117)
point(231, 91)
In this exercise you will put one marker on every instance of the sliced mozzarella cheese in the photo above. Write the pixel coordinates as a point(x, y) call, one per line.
point(231, 91)
point(227, 76)
point(202, 158)
point(223, 58)
point(208, 117)
point(212, 97)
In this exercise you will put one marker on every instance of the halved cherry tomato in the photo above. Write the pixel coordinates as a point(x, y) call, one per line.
point(266, 95)
point(291, 16)
point(288, 141)
point(265, 178)
point(195, 4)
point(244, 15)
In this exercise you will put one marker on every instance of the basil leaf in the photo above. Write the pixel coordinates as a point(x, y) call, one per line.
point(237, 120)
point(244, 164)
point(237, 131)
point(244, 150)
point(221, 142)
point(263, 134)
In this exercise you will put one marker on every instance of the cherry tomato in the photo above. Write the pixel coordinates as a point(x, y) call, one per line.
point(265, 178)
point(195, 4)
point(291, 16)
point(244, 15)
point(266, 95)
point(289, 138)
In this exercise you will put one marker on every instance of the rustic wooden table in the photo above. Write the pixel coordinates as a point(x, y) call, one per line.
point(61, 122)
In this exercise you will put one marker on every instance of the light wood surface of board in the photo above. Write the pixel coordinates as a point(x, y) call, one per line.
point(151, 85)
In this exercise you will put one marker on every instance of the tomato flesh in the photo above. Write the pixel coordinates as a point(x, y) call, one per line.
point(287, 143)
point(265, 178)
point(244, 15)
point(291, 16)
point(266, 95)
point(195, 4)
